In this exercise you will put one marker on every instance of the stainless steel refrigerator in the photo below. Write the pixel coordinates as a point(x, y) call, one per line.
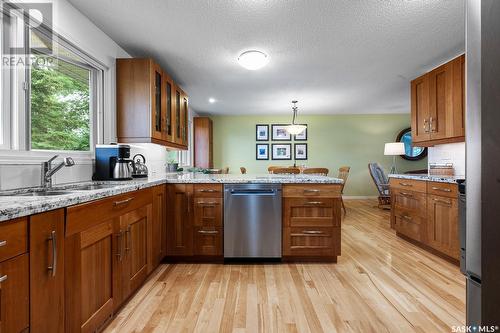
point(482, 216)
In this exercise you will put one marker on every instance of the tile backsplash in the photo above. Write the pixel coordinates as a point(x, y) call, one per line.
point(449, 153)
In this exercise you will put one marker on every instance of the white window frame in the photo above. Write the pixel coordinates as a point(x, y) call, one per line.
point(15, 146)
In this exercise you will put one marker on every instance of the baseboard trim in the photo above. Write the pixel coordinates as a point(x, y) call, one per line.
point(358, 197)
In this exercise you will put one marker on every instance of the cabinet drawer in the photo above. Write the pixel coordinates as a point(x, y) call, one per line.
point(443, 189)
point(87, 215)
point(408, 184)
point(410, 200)
point(207, 241)
point(207, 212)
point(314, 211)
point(14, 294)
point(13, 238)
point(408, 224)
point(311, 241)
point(208, 190)
point(312, 190)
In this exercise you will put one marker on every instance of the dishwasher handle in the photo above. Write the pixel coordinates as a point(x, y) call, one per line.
point(254, 192)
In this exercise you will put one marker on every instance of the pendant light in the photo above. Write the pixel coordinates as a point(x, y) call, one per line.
point(294, 128)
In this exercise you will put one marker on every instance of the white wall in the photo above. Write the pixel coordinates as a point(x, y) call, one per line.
point(78, 29)
point(449, 153)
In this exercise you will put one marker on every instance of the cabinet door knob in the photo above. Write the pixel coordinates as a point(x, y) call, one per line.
point(3, 278)
point(3, 243)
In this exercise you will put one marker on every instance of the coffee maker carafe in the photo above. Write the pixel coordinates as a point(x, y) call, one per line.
point(112, 162)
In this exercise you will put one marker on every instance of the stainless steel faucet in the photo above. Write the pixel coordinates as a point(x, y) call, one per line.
point(48, 171)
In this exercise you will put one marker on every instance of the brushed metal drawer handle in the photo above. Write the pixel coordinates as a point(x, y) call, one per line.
point(122, 202)
point(128, 245)
point(406, 217)
point(442, 201)
point(208, 191)
point(406, 184)
point(314, 203)
point(53, 239)
point(3, 243)
point(441, 189)
point(311, 191)
point(208, 232)
point(211, 203)
point(312, 232)
point(119, 252)
point(405, 194)
point(3, 278)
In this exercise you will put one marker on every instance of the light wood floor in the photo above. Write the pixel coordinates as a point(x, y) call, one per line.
point(380, 284)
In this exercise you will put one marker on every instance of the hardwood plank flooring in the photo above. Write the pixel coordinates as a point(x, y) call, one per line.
point(381, 283)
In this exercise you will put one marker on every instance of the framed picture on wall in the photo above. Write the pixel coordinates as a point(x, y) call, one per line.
point(261, 132)
point(301, 136)
point(301, 151)
point(279, 133)
point(262, 151)
point(282, 151)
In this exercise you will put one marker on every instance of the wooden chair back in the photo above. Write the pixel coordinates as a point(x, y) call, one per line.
point(243, 170)
point(289, 171)
point(343, 174)
point(316, 171)
point(271, 168)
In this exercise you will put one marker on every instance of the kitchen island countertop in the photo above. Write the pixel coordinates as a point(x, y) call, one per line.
point(13, 206)
point(429, 178)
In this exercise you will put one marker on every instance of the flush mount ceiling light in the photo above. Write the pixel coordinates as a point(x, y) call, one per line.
point(212, 100)
point(253, 59)
point(294, 128)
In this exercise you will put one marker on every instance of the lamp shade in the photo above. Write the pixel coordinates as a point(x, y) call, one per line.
point(394, 148)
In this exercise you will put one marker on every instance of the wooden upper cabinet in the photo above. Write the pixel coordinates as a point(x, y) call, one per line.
point(146, 104)
point(47, 272)
point(202, 142)
point(420, 109)
point(437, 104)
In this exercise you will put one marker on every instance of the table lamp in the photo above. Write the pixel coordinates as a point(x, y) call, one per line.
point(394, 149)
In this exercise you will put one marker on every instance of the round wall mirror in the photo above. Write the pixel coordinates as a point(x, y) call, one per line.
point(411, 153)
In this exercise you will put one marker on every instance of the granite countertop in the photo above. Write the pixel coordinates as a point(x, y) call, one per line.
point(440, 179)
point(12, 205)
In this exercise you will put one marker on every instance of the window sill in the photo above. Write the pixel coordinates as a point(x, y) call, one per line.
point(36, 157)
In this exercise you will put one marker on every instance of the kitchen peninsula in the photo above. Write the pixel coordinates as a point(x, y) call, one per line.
point(101, 240)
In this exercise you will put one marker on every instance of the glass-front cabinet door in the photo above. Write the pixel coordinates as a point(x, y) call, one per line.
point(178, 128)
point(168, 131)
point(185, 119)
point(157, 126)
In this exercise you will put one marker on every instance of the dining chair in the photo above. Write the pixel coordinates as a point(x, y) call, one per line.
point(316, 171)
point(343, 174)
point(243, 170)
point(382, 183)
point(288, 171)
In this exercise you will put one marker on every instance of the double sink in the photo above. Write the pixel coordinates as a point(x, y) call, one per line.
point(41, 192)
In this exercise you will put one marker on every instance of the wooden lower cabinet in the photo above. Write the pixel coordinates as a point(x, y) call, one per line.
point(311, 222)
point(207, 241)
point(132, 268)
point(14, 294)
point(47, 267)
point(427, 212)
point(442, 225)
point(159, 226)
point(179, 220)
point(107, 257)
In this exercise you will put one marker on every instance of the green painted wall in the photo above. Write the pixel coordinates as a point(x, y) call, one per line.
point(333, 141)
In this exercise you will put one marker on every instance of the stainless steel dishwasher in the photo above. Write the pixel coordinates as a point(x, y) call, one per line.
point(252, 221)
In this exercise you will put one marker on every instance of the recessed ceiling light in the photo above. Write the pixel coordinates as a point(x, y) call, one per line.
point(253, 59)
point(211, 100)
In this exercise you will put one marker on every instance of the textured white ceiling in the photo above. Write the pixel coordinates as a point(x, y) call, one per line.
point(334, 56)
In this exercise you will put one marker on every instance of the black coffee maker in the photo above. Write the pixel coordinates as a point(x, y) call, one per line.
point(112, 162)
